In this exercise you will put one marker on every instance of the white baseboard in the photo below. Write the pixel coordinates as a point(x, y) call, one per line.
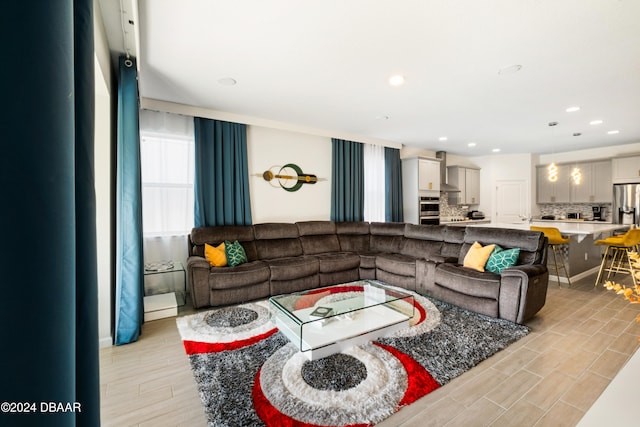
point(552, 277)
point(105, 342)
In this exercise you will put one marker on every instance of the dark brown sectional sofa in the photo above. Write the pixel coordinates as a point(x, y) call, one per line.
point(286, 257)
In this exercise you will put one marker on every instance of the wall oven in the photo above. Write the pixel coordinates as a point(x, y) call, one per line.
point(429, 210)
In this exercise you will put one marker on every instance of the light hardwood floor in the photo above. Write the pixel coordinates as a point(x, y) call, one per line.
point(577, 344)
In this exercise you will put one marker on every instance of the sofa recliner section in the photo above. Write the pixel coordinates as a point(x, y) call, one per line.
point(428, 259)
point(516, 294)
point(227, 285)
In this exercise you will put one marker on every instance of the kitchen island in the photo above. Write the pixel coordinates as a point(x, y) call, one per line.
point(581, 256)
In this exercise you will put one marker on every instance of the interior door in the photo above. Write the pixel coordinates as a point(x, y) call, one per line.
point(511, 201)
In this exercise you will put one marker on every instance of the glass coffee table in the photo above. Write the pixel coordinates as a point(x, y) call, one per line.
point(324, 321)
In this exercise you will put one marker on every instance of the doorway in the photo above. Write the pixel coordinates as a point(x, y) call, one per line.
point(511, 201)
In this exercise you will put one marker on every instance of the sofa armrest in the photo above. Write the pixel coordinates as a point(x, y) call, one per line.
point(523, 291)
point(198, 270)
point(524, 271)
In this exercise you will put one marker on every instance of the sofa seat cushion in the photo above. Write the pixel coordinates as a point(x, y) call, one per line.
point(402, 265)
point(246, 274)
point(293, 267)
point(340, 261)
point(468, 281)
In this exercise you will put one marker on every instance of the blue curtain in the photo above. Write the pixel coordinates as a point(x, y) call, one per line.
point(49, 310)
point(393, 185)
point(347, 181)
point(86, 349)
point(129, 261)
point(221, 183)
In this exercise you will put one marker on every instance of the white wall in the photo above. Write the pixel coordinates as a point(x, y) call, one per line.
point(103, 179)
point(269, 147)
point(103, 216)
point(498, 167)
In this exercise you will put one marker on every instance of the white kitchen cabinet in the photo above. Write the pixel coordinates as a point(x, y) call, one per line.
point(553, 192)
point(595, 186)
point(428, 175)
point(420, 178)
point(472, 186)
point(626, 169)
point(468, 182)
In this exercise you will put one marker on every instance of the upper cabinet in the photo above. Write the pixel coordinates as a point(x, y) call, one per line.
point(420, 178)
point(428, 175)
point(553, 192)
point(472, 177)
point(468, 182)
point(626, 170)
point(595, 186)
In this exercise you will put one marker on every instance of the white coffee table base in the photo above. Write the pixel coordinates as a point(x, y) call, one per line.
point(343, 333)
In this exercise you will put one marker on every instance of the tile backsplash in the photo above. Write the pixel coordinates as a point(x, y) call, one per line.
point(562, 209)
point(451, 210)
point(556, 209)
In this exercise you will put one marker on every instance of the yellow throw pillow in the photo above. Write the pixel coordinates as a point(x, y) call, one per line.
point(216, 256)
point(477, 256)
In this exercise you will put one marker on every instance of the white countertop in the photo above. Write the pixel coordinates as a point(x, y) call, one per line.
point(571, 220)
point(579, 228)
point(464, 221)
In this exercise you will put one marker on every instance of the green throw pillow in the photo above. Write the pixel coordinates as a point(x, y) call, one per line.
point(501, 259)
point(235, 253)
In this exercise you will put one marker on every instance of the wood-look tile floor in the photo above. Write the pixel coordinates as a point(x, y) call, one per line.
point(577, 344)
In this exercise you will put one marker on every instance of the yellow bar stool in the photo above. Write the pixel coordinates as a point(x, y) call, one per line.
point(555, 239)
point(618, 248)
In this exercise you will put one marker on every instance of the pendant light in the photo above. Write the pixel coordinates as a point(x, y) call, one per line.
point(576, 175)
point(552, 172)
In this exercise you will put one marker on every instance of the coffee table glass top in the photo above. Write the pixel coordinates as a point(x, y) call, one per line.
point(321, 317)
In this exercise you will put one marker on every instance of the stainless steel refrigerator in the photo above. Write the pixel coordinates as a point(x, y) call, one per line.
point(626, 204)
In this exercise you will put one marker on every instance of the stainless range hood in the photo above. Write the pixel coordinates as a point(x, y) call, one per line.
point(444, 187)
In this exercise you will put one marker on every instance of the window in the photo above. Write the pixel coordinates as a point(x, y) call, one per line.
point(167, 167)
point(374, 183)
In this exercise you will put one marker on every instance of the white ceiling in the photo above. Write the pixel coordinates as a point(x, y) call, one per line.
point(326, 64)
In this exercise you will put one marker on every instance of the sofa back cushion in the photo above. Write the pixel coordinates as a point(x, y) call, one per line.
point(216, 235)
point(530, 243)
point(386, 237)
point(422, 240)
point(353, 236)
point(277, 240)
point(318, 237)
point(453, 238)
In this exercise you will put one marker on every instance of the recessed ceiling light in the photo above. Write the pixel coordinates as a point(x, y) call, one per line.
point(572, 109)
point(227, 81)
point(496, 150)
point(613, 132)
point(397, 80)
point(595, 122)
point(510, 69)
point(471, 144)
point(442, 138)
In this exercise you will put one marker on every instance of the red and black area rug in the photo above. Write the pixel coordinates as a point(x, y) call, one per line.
point(249, 374)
